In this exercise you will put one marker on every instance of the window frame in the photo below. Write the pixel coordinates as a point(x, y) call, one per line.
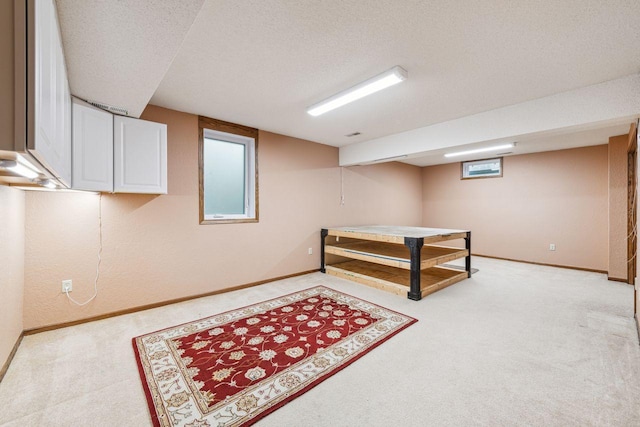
point(464, 166)
point(233, 133)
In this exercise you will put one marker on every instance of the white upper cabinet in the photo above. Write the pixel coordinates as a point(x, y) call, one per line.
point(140, 156)
point(92, 148)
point(51, 143)
point(117, 154)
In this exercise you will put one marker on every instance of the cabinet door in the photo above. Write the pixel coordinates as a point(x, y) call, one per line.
point(63, 147)
point(140, 156)
point(52, 127)
point(92, 148)
point(45, 96)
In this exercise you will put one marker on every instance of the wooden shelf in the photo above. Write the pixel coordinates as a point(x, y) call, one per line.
point(395, 255)
point(393, 279)
point(398, 259)
point(396, 234)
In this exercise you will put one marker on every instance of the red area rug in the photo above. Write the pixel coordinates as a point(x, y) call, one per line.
point(236, 367)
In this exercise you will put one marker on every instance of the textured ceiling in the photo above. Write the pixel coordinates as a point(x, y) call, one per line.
point(117, 52)
point(262, 62)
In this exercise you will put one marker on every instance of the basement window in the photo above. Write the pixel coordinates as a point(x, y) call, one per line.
point(228, 168)
point(486, 168)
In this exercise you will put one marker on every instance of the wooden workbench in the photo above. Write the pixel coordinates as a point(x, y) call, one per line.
point(397, 259)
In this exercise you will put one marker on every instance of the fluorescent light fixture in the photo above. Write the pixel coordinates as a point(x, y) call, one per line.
point(479, 150)
point(49, 183)
point(19, 167)
point(57, 190)
point(382, 81)
point(31, 188)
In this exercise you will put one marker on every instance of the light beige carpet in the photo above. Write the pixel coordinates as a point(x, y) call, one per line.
point(516, 344)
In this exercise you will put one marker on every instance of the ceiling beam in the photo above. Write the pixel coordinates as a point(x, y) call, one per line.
point(604, 104)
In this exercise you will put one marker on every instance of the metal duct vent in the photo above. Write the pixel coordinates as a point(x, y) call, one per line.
point(110, 108)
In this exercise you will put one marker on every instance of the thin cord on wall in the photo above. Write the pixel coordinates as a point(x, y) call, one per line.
point(95, 283)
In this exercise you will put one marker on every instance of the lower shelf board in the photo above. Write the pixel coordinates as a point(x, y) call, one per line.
point(395, 255)
point(395, 280)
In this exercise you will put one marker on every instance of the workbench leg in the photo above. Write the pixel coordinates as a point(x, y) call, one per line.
point(467, 261)
point(415, 247)
point(323, 234)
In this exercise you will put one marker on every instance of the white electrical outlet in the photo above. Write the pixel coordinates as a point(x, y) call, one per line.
point(310, 251)
point(552, 246)
point(67, 286)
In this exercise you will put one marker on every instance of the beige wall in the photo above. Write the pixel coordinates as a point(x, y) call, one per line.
point(554, 197)
point(11, 268)
point(618, 178)
point(155, 250)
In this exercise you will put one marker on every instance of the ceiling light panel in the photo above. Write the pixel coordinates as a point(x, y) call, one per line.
point(479, 150)
point(381, 81)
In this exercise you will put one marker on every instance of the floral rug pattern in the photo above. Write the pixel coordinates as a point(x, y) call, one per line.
point(236, 367)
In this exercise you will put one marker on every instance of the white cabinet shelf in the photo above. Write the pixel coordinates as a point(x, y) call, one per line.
point(93, 152)
point(117, 154)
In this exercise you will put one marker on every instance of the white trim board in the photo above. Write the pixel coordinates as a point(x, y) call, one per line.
point(605, 104)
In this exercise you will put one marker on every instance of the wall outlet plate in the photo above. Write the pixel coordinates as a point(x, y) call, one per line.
point(67, 286)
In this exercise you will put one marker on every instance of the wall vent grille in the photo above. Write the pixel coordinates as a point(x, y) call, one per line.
point(110, 108)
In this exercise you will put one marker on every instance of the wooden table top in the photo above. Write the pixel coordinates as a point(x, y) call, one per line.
point(397, 231)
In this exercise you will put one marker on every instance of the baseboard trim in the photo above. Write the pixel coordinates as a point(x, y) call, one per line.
point(616, 279)
point(5, 367)
point(592, 270)
point(160, 304)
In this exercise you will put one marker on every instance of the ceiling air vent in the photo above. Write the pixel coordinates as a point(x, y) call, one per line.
point(110, 108)
point(353, 134)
